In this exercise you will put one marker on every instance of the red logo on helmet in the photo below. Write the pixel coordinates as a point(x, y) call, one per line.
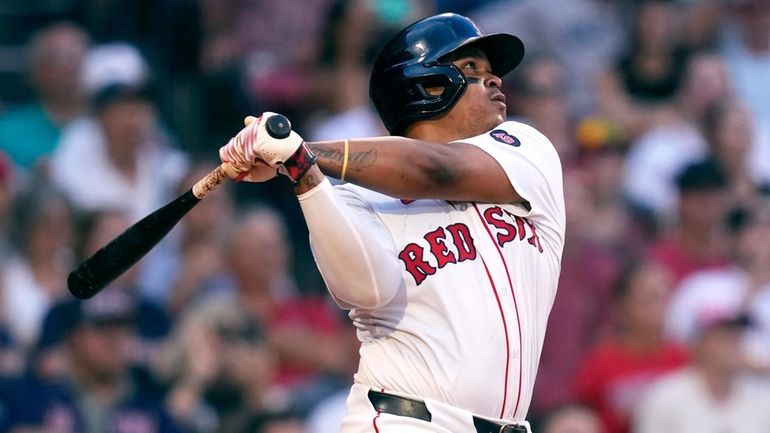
point(504, 137)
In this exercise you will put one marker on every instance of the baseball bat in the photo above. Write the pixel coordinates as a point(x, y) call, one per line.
point(97, 271)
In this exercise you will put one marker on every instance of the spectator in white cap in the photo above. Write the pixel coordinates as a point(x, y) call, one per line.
point(119, 158)
point(744, 285)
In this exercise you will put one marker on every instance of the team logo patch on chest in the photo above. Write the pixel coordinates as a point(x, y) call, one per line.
point(504, 137)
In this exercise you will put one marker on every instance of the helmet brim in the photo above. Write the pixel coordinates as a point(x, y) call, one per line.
point(504, 51)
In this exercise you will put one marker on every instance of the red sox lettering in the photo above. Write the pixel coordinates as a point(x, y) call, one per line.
point(496, 216)
point(454, 243)
point(413, 255)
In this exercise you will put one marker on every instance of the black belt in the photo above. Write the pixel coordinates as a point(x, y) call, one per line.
point(402, 406)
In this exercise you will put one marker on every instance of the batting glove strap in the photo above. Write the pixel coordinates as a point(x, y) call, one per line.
point(299, 163)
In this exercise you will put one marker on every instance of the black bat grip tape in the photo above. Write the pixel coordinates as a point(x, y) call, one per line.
point(278, 126)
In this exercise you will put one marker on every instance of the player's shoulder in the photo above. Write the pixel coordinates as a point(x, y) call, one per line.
point(520, 127)
point(524, 131)
point(513, 134)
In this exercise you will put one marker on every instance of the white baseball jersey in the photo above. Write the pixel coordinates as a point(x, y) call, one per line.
point(467, 324)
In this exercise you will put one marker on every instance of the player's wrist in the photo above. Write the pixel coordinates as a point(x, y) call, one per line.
point(298, 164)
point(310, 183)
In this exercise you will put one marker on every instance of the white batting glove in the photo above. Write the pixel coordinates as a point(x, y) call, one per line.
point(242, 168)
point(259, 172)
point(253, 145)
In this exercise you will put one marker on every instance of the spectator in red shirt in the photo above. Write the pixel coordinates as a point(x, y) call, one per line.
point(698, 241)
point(615, 374)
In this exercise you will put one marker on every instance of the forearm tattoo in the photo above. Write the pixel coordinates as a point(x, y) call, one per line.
point(330, 160)
point(308, 181)
point(328, 155)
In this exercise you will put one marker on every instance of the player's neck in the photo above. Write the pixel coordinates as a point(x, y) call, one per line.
point(434, 131)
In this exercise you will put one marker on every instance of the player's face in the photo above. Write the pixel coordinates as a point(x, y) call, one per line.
point(482, 105)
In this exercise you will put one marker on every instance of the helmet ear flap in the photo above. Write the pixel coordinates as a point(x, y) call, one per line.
point(418, 102)
point(420, 88)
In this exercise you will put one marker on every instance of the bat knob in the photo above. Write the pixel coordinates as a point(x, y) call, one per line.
point(278, 126)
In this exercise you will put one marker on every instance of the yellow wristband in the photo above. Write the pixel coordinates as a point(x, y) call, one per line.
point(345, 151)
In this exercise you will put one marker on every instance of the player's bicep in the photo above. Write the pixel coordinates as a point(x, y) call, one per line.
point(480, 177)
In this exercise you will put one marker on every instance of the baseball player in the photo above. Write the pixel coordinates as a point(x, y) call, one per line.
point(446, 242)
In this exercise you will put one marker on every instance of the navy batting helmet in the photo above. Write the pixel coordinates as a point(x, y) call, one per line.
point(415, 60)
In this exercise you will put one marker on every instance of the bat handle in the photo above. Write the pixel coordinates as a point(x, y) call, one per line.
point(203, 187)
point(277, 126)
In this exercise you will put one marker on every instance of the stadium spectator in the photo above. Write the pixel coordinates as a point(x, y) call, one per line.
point(746, 49)
point(302, 332)
point(581, 312)
point(538, 94)
point(743, 286)
point(118, 158)
point(220, 368)
point(95, 231)
point(602, 146)
point(33, 278)
point(196, 267)
point(616, 373)
point(639, 90)
point(592, 28)
point(740, 149)
point(714, 394)
point(97, 392)
point(352, 35)
point(658, 155)
point(55, 56)
point(699, 239)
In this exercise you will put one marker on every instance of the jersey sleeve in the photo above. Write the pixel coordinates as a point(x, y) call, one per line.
point(353, 250)
point(533, 168)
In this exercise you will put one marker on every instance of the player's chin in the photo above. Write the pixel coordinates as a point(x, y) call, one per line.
point(496, 116)
point(501, 109)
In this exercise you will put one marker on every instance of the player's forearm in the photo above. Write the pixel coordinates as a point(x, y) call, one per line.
point(396, 166)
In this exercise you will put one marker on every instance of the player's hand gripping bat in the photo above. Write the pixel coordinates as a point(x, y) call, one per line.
point(97, 271)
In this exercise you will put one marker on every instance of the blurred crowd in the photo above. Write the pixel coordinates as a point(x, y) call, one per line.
point(109, 109)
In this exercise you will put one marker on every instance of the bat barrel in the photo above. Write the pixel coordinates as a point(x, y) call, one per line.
point(99, 270)
point(125, 250)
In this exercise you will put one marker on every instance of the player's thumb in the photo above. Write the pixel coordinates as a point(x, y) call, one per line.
point(249, 120)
